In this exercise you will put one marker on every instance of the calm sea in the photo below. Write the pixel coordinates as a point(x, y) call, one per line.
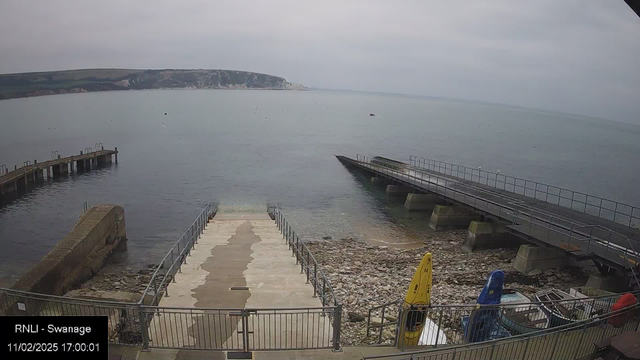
point(247, 148)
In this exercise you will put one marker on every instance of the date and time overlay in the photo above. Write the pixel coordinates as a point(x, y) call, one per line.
point(41, 337)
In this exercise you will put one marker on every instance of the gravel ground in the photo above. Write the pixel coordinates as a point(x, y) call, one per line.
point(365, 275)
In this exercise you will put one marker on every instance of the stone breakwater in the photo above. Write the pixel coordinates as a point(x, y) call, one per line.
point(365, 275)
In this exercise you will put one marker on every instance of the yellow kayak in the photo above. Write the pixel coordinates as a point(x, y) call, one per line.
point(417, 300)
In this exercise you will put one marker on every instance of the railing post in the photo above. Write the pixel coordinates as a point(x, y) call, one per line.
point(144, 330)
point(308, 265)
point(439, 327)
point(402, 321)
point(381, 323)
point(493, 349)
point(324, 291)
point(558, 334)
point(606, 251)
point(572, 195)
point(570, 236)
point(526, 347)
point(584, 329)
point(179, 266)
point(315, 278)
point(155, 290)
point(301, 256)
point(337, 323)
point(245, 330)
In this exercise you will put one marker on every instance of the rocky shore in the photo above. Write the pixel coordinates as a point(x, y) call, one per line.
point(365, 275)
point(109, 284)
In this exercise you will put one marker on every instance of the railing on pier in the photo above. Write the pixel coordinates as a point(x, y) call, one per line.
point(241, 330)
point(315, 274)
point(231, 329)
point(124, 318)
point(228, 329)
point(566, 342)
point(446, 321)
point(175, 257)
point(538, 224)
point(612, 210)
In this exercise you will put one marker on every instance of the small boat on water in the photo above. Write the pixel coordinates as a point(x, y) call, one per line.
point(524, 316)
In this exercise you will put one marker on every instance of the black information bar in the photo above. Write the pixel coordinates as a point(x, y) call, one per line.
point(54, 337)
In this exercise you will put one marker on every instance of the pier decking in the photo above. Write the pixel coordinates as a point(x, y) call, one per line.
point(240, 265)
point(580, 234)
point(20, 178)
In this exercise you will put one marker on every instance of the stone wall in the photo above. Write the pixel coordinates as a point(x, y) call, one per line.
point(80, 254)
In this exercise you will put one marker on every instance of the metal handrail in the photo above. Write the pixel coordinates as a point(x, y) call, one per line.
point(509, 212)
point(299, 248)
point(596, 304)
point(314, 272)
point(539, 188)
point(631, 312)
point(236, 309)
point(508, 305)
point(425, 163)
point(185, 243)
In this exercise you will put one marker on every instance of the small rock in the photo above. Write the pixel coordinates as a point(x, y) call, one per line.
point(355, 317)
point(534, 272)
point(326, 238)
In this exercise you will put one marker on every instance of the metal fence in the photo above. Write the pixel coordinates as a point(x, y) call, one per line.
point(567, 342)
point(447, 325)
point(308, 264)
point(560, 231)
point(175, 257)
point(124, 318)
point(616, 211)
point(228, 329)
point(322, 287)
point(243, 330)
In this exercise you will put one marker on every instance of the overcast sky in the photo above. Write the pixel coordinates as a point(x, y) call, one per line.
point(574, 56)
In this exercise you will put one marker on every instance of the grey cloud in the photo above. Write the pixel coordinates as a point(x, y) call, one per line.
point(574, 56)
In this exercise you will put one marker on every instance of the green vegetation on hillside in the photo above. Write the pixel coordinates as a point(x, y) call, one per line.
point(86, 80)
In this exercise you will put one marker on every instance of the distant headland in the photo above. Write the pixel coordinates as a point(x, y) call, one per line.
point(88, 80)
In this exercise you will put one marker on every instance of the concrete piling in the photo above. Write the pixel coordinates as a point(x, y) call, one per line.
point(451, 217)
point(531, 257)
point(421, 202)
point(486, 235)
